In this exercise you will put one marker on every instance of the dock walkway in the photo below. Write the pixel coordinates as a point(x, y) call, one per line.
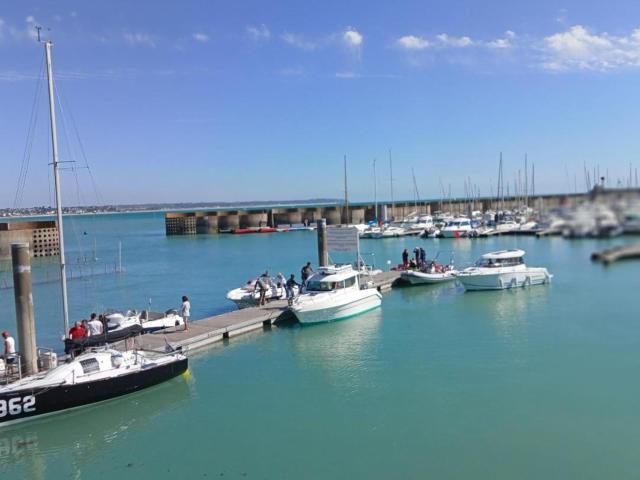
point(615, 254)
point(210, 330)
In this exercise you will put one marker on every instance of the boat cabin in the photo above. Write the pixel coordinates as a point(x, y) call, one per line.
point(459, 223)
point(333, 277)
point(502, 258)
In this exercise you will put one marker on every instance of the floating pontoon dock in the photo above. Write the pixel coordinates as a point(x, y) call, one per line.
point(622, 252)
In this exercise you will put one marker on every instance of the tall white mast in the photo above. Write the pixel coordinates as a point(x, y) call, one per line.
point(56, 177)
point(375, 189)
point(393, 205)
point(346, 194)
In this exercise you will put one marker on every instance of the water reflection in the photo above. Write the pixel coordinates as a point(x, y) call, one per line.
point(87, 431)
point(341, 348)
point(508, 310)
point(417, 293)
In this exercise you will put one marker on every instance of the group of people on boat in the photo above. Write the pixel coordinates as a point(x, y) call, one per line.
point(418, 260)
point(96, 325)
point(264, 283)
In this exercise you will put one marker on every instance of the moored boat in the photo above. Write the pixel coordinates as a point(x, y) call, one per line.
point(97, 375)
point(433, 273)
point(334, 293)
point(248, 296)
point(502, 269)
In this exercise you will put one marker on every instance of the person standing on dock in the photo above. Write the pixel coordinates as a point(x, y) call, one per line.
point(185, 311)
point(262, 283)
point(289, 286)
point(305, 273)
point(281, 282)
point(405, 258)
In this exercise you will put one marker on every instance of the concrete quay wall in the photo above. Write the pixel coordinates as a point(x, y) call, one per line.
point(202, 221)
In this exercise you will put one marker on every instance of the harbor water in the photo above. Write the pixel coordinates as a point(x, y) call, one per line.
point(438, 383)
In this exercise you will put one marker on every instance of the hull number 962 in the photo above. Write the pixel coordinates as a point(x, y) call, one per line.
point(17, 405)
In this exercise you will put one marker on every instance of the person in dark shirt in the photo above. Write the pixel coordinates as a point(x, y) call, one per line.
point(405, 258)
point(305, 273)
point(289, 286)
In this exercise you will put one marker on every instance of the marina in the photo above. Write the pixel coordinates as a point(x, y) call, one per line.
point(364, 331)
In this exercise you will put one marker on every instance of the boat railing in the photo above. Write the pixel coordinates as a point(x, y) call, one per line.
point(11, 368)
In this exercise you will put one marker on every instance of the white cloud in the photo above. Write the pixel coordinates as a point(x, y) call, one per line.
point(456, 42)
point(200, 37)
point(578, 48)
point(139, 38)
point(504, 42)
point(260, 32)
point(411, 42)
point(298, 41)
point(352, 37)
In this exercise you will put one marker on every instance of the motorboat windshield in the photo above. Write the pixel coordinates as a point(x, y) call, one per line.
point(495, 263)
point(328, 284)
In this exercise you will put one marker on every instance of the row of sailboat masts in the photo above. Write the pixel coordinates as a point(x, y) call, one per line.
point(56, 178)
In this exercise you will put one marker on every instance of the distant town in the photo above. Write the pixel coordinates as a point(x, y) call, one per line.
point(147, 207)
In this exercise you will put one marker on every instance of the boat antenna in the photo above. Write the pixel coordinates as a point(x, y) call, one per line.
point(56, 177)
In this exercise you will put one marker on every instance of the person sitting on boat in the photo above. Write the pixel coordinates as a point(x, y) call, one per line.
point(9, 351)
point(77, 331)
point(95, 325)
point(405, 258)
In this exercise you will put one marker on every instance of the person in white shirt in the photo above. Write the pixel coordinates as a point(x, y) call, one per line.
point(185, 311)
point(95, 325)
point(9, 351)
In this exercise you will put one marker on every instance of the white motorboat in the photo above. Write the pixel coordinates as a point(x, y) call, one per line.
point(506, 226)
point(156, 321)
point(334, 293)
point(248, 296)
point(456, 228)
point(502, 269)
point(93, 376)
point(433, 274)
point(391, 231)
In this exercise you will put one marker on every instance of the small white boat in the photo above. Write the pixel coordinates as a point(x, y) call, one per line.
point(500, 270)
point(334, 293)
point(155, 321)
point(247, 295)
point(391, 231)
point(456, 228)
point(417, 277)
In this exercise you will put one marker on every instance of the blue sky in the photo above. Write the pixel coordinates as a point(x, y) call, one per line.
point(250, 100)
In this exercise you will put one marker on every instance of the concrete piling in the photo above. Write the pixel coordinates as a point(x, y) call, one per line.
point(323, 252)
point(22, 288)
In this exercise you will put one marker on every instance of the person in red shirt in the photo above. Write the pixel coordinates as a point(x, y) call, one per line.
point(77, 331)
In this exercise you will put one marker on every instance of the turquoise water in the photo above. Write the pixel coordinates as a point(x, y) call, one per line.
point(537, 383)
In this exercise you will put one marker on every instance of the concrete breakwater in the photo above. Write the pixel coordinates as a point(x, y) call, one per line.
point(221, 219)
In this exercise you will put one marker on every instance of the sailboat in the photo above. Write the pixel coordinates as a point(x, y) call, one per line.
point(93, 376)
